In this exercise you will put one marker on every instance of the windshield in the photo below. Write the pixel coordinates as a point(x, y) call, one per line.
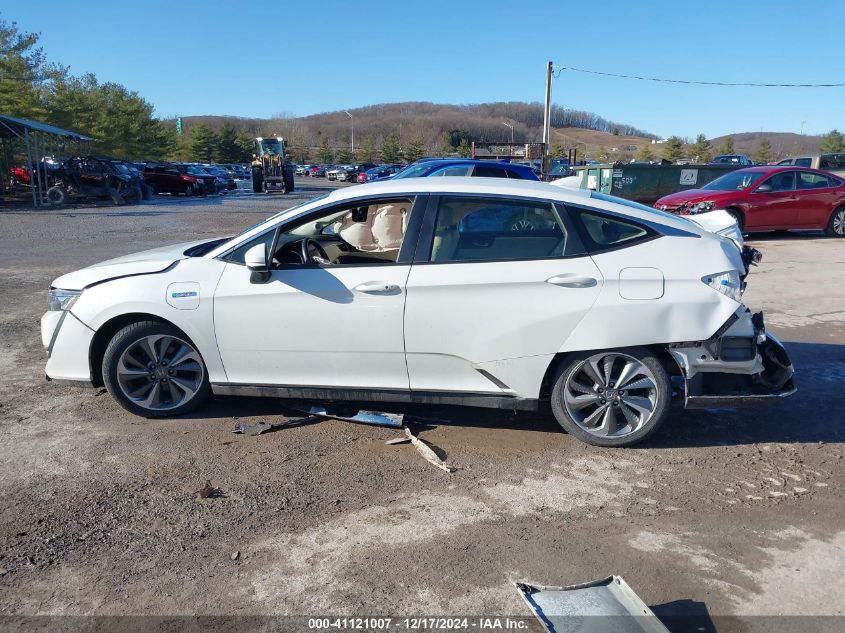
point(270, 146)
point(640, 207)
point(197, 171)
point(734, 181)
point(415, 171)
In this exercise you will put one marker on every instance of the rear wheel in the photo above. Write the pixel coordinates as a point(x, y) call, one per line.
point(57, 195)
point(836, 224)
point(154, 371)
point(257, 181)
point(611, 398)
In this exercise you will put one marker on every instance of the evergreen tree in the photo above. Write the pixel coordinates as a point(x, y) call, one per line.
point(343, 156)
point(764, 152)
point(645, 153)
point(367, 152)
point(701, 151)
point(228, 148)
point(390, 151)
point(674, 149)
point(203, 144)
point(23, 69)
point(556, 151)
point(832, 142)
point(464, 149)
point(324, 152)
point(727, 146)
point(445, 147)
point(416, 149)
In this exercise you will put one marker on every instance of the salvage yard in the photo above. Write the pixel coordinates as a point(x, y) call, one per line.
point(724, 512)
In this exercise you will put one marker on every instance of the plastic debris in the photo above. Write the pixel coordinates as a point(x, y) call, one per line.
point(428, 454)
point(208, 491)
point(251, 429)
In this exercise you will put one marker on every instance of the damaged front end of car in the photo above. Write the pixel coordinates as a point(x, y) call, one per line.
point(741, 364)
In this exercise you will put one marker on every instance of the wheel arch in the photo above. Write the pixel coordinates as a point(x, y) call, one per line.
point(105, 333)
point(743, 216)
point(659, 350)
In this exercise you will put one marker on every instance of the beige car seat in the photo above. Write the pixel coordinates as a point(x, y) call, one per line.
point(382, 231)
point(446, 234)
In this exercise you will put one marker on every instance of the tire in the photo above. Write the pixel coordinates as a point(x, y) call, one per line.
point(835, 226)
point(116, 197)
point(57, 195)
point(146, 192)
point(189, 190)
point(737, 215)
point(597, 411)
point(134, 195)
point(153, 370)
point(288, 179)
point(257, 181)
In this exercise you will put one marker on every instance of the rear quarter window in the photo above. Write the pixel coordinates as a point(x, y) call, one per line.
point(604, 232)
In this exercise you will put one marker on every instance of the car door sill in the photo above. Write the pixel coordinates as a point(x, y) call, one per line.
point(357, 394)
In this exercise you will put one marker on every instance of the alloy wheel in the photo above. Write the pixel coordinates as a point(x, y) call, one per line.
point(839, 222)
point(611, 395)
point(160, 372)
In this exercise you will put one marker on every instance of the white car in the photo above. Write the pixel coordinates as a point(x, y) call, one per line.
point(472, 291)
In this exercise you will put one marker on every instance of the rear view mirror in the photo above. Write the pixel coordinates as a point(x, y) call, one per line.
point(764, 188)
point(256, 261)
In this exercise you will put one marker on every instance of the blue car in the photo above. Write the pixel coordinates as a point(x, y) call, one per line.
point(467, 167)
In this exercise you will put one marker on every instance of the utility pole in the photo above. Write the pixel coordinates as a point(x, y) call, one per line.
point(511, 127)
point(547, 119)
point(352, 122)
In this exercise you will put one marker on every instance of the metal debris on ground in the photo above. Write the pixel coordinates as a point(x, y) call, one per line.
point(378, 418)
point(397, 440)
point(235, 555)
point(592, 607)
point(251, 429)
point(428, 454)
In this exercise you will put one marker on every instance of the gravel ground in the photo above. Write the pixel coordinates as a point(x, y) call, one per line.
point(724, 513)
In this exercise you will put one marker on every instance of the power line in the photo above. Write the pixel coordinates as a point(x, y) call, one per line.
point(560, 69)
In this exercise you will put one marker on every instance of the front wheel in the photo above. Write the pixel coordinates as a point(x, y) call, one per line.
point(153, 370)
point(189, 190)
point(836, 224)
point(57, 195)
point(612, 398)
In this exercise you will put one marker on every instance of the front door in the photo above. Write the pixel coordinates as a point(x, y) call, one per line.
point(494, 296)
point(778, 206)
point(336, 324)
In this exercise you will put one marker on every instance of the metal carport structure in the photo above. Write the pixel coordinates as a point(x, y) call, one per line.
point(36, 138)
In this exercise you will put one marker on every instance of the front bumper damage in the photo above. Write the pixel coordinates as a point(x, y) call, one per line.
point(740, 365)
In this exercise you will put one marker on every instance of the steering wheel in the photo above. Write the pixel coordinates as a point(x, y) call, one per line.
point(306, 246)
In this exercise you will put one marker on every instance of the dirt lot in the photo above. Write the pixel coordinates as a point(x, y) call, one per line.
point(725, 513)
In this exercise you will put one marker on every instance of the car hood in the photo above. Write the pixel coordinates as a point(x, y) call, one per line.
point(143, 263)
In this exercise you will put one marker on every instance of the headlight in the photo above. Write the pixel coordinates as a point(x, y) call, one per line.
point(703, 207)
point(728, 283)
point(62, 299)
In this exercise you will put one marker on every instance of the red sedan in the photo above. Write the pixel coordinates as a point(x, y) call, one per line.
point(767, 198)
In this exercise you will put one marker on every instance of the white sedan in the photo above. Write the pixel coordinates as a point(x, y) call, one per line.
point(471, 291)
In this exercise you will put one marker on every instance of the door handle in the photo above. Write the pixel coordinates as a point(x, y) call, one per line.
point(571, 281)
point(377, 287)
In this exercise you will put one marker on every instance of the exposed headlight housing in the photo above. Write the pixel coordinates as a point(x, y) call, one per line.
point(702, 207)
point(728, 283)
point(62, 299)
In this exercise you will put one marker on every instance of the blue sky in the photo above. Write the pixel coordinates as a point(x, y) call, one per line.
point(191, 57)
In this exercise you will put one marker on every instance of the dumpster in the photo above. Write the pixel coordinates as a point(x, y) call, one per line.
point(646, 183)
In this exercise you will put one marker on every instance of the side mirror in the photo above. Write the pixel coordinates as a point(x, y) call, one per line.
point(764, 188)
point(256, 260)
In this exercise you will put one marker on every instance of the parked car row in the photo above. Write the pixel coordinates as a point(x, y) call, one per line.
point(423, 168)
point(188, 179)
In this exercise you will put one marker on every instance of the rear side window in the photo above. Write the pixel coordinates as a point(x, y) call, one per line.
point(498, 229)
point(809, 180)
point(456, 170)
point(482, 171)
point(803, 162)
point(606, 232)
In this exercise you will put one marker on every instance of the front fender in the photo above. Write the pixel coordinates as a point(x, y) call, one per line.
point(150, 295)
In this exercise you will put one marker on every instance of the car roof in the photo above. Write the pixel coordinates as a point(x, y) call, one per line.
point(778, 168)
point(406, 187)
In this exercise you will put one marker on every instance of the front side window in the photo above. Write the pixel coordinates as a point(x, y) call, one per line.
point(784, 181)
point(482, 171)
point(496, 229)
point(456, 170)
point(370, 232)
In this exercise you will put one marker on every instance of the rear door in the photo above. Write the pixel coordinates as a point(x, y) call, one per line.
point(496, 287)
point(817, 198)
